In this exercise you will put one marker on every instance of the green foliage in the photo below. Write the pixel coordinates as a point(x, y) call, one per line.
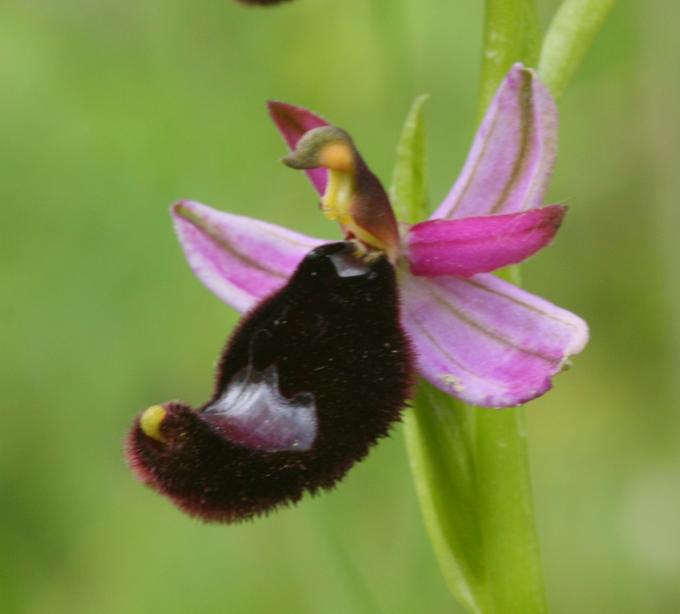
point(110, 111)
point(408, 193)
point(569, 37)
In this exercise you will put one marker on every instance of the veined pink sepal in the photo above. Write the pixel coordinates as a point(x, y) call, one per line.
point(512, 155)
point(240, 259)
point(485, 340)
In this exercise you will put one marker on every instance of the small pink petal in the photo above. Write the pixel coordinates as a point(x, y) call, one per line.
point(240, 259)
point(292, 123)
point(474, 245)
point(512, 156)
point(486, 341)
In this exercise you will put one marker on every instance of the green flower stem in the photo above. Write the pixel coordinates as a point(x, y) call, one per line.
point(505, 504)
point(504, 501)
point(439, 438)
point(470, 465)
point(569, 36)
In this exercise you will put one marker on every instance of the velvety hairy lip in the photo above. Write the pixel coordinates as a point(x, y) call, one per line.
point(323, 362)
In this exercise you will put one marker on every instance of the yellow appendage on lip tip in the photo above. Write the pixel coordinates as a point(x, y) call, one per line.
point(150, 422)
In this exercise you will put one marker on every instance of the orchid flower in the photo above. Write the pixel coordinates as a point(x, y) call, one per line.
point(475, 336)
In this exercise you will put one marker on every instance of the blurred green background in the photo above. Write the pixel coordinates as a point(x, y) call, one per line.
point(111, 110)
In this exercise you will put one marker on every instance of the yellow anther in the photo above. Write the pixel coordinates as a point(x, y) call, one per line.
point(150, 422)
point(337, 156)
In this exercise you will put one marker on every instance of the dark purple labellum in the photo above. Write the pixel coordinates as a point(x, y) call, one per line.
point(309, 381)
